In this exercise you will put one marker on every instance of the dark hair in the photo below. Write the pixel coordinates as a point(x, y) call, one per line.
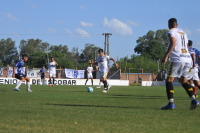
point(100, 50)
point(172, 21)
point(24, 55)
point(189, 43)
point(52, 57)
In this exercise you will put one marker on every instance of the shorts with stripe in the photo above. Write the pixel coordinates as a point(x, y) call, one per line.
point(103, 74)
point(193, 74)
point(178, 69)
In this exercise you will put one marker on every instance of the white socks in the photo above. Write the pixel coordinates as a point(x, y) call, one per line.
point(171, 100)
point(28, 86)
point(193, 97)
point(99, 83)
point(18, 85)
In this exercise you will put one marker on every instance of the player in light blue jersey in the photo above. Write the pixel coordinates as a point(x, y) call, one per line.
point(193, 74)
point(19, 75)
point(42, 72)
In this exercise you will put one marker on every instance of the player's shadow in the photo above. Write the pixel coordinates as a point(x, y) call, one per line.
point(3, 90)
point(101, 106)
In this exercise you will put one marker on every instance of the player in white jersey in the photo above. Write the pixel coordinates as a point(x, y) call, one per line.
point(52, 71)
point(108, 71)
point(180, 63)
point(103, 66)
point(89, 73)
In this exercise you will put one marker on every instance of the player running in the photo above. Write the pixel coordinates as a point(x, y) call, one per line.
point(52, 71)
point(42, 73)
point(19, 75)
point(99, 86)
point(180, 63)
point(89, 74)
point(193, 74)
point(103, 67)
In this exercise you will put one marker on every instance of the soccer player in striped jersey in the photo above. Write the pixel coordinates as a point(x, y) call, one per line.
point(19, 75)
point(180, 64)
point(193, 74)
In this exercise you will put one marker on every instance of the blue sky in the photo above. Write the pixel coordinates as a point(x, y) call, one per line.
point(75, 23)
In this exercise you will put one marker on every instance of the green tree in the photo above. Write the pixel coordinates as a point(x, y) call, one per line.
point(153, 45)
point(31, 45)
point(8, 54)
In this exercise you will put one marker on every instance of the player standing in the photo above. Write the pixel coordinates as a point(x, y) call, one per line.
point(89, 73)
point(193, 74)
point(42, 72)
point(180, 63)
point(52, 71)
point(103, 67)
point(19, 75)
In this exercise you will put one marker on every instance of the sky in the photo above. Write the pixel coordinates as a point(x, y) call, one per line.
point(75, 23)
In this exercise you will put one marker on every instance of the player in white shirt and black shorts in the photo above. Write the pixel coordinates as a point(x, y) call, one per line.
point(52, 71)
point(103, 67)
point(180, 64)
point(89, 73)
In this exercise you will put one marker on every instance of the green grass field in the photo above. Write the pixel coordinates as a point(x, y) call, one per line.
point(73, 109)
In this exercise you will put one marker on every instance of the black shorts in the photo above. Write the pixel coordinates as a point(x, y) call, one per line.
point(42, 77)
point(19, 76)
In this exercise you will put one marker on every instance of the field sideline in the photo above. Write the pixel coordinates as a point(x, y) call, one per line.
point(73, 109)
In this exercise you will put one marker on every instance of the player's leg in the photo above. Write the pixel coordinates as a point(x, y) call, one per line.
point(104, 74)
point(92, 80)
point(109, 85)
point(169, 86)
point(50, 81)
point(28, 84)
point(17, 76)
point(187, 86)
point(53, 81)
point(87, 79)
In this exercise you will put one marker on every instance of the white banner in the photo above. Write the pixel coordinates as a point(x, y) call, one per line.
point(10, 73)
point(37, 81)
point(32, 73)
point(1, 71)
point(80, 74)
point(69, 73)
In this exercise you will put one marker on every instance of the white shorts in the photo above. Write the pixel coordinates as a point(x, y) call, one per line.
point(90, 75)
point(178, 69)
point(52, 74)
point(193, 74)
point(103, 74)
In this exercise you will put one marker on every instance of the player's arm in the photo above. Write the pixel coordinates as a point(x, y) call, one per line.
point(193, 59)
point(56, 63)
point(14, 72)
point(169, 50)
point(109, 70)
point(114, 62)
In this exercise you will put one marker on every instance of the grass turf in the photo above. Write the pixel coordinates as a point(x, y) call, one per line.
point(73, 109)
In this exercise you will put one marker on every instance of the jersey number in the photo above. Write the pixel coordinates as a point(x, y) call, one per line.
point(183, 44)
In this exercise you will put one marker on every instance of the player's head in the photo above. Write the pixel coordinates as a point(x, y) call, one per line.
point(172, 23)
point(25, 57)
point(100, 52)
point(189, 43)
point(43, 67)
point(52, 59)
point(90, 64)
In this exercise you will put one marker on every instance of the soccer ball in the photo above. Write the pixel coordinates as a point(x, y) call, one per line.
point(90, 89)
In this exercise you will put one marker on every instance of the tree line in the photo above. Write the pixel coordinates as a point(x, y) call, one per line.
point(150, 49)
